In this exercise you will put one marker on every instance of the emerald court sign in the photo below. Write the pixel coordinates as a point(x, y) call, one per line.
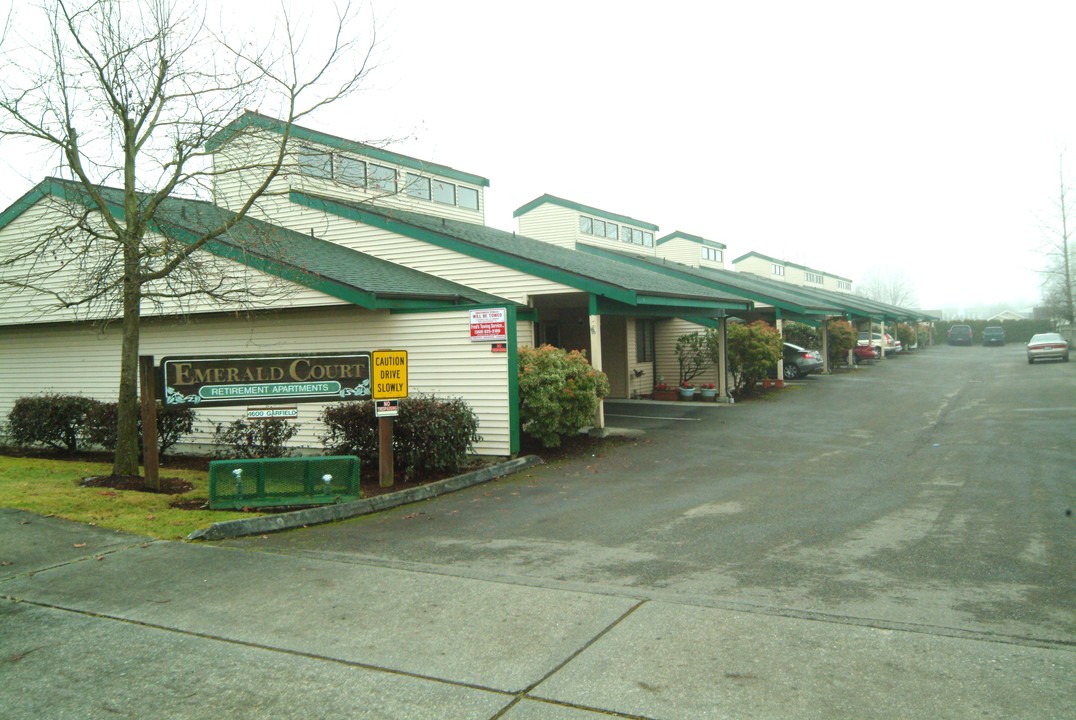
point(264, 379)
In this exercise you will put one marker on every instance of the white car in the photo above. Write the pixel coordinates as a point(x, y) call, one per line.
point(1047, 345)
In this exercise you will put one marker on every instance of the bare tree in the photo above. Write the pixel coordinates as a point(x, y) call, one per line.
point(892, 287)
point(127, 94)
point(1058, 250)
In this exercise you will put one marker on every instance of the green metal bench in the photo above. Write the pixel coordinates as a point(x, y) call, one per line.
point(270, 482)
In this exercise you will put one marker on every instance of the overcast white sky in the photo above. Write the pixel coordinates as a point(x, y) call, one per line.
point(917, 137)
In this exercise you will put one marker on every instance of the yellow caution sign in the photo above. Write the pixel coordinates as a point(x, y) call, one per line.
point(388, 376)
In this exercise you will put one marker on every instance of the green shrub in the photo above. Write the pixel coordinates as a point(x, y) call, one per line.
point(52, 419)
point(172, 424)
point(842, 338)
point(559, 393)
point(430, 434)
point(255, 439)
point(753, 349)
point(906, 334)
point(803, 335)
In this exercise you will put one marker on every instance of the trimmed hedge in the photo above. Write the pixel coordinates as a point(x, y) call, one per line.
point(172, 424)
point(51, 419)
point(1016, 331)
point(430, 434)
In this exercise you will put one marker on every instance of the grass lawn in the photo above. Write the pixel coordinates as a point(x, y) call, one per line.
point(51, 487)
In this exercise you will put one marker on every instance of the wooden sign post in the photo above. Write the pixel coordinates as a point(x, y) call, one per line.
point(388, 385)
point(148, 392)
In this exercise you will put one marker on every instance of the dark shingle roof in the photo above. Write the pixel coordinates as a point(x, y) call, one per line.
point(325, 266)
point(563, 264)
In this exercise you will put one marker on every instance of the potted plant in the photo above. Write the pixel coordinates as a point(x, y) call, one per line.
point(708, 391)
point(687, 390)
point(663, 391)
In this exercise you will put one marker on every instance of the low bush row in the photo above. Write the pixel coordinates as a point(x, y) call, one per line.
point(70, 423)
point(559, 393)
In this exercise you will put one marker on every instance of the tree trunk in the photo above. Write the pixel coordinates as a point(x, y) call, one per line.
point(125, 461)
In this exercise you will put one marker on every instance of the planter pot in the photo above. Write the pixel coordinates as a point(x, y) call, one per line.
point(664, 395)
point(708, 393)
point(687, 393)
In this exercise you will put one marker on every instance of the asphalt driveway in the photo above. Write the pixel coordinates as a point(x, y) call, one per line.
point(886, 543)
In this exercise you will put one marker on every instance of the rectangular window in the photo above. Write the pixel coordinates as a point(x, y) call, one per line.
point(444, 192)
point(350, 171)
point(644, 341)
point(648, 239)
point(711, 254)
point(844, 285)
point(636, 237)
point(812, 278)
point(611, 231)
point(382, 178)
point(777, 269)
point(315, 163)
point(625, 234)
point(586, 225)
point(418, 186)
point(468, 198)
point(599, 228)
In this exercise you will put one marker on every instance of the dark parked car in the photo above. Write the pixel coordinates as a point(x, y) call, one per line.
point(801, 361)
point(993, 335)
point(1047, 345)
point(961, 335)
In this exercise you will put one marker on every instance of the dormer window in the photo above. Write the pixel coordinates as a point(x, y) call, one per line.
point(778, 270)
point(418, 186)
point(315, 163)
point(467, 197)
point(350, 171)
point(812, 278)
point(444, 193)
point(382, 178)
point(612, 231)
point(710, 254)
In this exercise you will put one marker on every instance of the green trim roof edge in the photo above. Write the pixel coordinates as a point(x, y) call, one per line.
point(693, 238)
point(533, 267)
point(70, 191)
point(786, 263)
point(571, 205)
point(264, 122)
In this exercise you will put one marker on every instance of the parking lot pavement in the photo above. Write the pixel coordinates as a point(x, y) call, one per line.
point(140, 629)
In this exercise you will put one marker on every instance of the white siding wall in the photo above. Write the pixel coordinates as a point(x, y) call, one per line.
point(550, 223)
point(559, 225)
point(758, 266)
point(681, 250)
point(78, 358)
point(665, 335)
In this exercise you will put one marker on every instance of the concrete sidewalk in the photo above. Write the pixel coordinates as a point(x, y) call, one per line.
point(95, 623)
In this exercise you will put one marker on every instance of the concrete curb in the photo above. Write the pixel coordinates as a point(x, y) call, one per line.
point(342, 511)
